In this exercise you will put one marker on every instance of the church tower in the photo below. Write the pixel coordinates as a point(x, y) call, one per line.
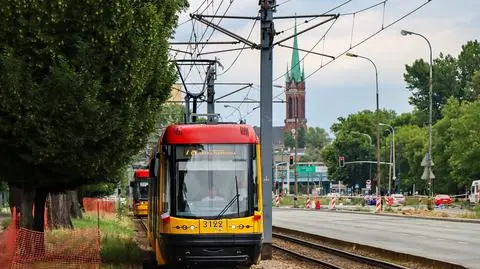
point(295, 92)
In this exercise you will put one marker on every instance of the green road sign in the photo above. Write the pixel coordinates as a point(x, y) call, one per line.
point(305, 169)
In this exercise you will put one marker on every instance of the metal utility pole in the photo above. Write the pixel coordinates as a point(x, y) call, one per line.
point(267, 7)
point(211, 73)
point(429, 159)
point(377, 112)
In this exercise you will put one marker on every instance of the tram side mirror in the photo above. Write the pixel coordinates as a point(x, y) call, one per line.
point(132, 184)
point(157, 155)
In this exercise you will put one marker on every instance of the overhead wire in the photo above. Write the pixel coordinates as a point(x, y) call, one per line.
point(370, 36)
point(357, 44)
point(315, 18)
point(194, 51)
point(240, 52)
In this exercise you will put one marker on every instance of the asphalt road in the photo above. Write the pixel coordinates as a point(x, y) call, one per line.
point(441, 240)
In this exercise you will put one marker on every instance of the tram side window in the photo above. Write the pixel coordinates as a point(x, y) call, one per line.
point(255, 186)
point(166, 188)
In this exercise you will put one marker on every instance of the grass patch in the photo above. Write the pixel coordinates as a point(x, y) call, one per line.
point(5, 223)
point(118, 249)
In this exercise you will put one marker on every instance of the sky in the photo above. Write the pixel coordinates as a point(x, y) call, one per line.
point(345, 85)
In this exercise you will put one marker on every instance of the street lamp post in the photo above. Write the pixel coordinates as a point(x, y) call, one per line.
point(237, 109)
point(371, 144)
point(378, 118)
point(430, 93)
point(393, 153)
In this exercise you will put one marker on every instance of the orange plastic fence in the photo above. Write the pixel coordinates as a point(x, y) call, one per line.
point(57, 249)
point(70, 249)
point(97, 204)
point(7, 242)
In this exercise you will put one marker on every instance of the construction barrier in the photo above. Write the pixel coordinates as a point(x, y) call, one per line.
point(389, 200)
point(317, 204)
point(307, 203)
point(26, 249)
point(332, 204)
point(378, 205)
point(98, 204)
point(277, 201)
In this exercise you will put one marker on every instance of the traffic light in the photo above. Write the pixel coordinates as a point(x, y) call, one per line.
point(341, 161)
point(291, 160)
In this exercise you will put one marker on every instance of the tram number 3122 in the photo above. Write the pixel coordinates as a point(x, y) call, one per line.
point(212, 224)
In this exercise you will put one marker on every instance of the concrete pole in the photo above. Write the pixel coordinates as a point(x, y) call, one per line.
point(267, 34)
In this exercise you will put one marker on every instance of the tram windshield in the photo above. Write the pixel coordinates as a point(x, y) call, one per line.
point(140, 193)
point(210, 176)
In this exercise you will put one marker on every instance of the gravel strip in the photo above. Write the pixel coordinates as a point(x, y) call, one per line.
point(320, 255)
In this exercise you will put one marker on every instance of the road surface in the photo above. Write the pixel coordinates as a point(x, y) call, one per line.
point(453, 242)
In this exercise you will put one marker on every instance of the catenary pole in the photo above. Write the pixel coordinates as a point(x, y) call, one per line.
point(266, 82)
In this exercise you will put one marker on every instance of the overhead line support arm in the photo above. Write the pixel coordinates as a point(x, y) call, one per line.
point(332, 17)
point(312, 52)
point(223, 30)
point(230, 93)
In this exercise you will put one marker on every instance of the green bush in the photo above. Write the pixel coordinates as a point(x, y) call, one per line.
point(5, 222)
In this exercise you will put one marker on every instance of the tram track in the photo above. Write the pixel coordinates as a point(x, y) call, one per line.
point(325, 256)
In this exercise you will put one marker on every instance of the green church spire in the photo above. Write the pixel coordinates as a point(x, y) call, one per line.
point(296, 72)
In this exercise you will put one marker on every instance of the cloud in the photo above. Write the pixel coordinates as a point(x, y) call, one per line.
point(347, 84)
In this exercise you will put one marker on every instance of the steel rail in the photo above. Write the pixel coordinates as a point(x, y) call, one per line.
point(305, 258)
point(350, 256)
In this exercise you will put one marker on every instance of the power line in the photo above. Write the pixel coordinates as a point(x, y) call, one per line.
point(303, 58)
point(369, 37)
point(239, 53)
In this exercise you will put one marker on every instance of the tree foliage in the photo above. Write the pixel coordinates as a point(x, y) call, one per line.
point(288, 140)
point(452, 77)
point(458, 146)
point(351, 141)
point(81, 84)
point(315, 140)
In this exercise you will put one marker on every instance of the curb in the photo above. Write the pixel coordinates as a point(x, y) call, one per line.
point(387, 254)
point(474, 221)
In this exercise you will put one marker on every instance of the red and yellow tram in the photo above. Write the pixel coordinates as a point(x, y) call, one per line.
point(205, 195)
point(139, 187)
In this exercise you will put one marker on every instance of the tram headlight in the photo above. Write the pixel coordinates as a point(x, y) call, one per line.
point(233, 226)
point(192, 227)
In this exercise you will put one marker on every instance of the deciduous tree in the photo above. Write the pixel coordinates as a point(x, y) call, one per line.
point(81, 84)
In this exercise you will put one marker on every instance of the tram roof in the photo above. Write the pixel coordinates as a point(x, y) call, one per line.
point(211, 133)
point(142, 173)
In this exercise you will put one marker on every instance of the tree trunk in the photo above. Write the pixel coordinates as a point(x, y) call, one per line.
point(39, 213)
point(59, 211)
point(75, 210)
point(26, 209)
point(14, 198)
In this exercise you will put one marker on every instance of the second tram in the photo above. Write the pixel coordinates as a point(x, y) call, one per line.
point(139, 187)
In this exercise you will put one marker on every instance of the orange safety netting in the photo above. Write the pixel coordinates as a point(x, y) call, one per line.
point(98, 205)
point(71, 249)
point(7, 242)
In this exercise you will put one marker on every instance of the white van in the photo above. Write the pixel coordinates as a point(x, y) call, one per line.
point(474, 196)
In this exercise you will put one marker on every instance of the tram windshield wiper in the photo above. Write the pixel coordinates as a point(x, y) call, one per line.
point(236, 197)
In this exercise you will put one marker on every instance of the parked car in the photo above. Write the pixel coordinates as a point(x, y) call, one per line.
point(474, 196)
point(370, 199)
point(333, 194)
point(442, 199)
point(398, 199)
